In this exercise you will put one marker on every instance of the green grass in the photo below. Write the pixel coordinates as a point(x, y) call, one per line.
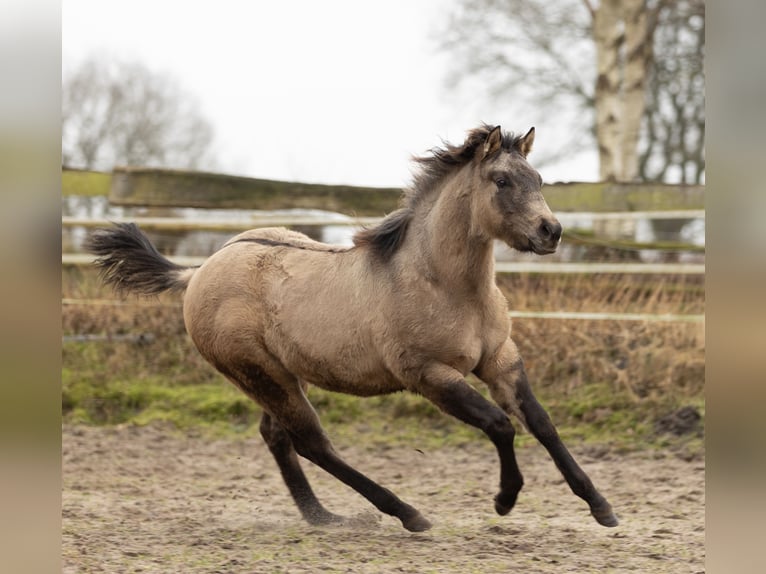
point(89, 183)
point(96, 397)
point(150, 399)
point(593, 413)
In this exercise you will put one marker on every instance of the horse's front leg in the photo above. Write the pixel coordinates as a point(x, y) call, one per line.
point(447, 389)
point(506, 378)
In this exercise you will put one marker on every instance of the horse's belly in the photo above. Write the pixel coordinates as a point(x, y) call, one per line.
point(343, 372)
point(332, 352)
point(366, 385)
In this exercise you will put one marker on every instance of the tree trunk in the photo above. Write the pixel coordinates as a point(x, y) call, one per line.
point(638, 51)
point(623, 47)
point(609, 38)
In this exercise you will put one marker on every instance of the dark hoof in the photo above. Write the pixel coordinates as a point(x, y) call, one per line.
point(604, 516)
point(504, 504)
point(416, 523)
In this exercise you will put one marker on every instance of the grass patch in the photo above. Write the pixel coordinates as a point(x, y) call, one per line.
point(97, 401)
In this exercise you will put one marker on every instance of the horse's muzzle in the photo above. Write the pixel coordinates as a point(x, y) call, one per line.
point(549, 236)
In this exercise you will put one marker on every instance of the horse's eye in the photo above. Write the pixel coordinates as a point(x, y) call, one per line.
point(500, 182)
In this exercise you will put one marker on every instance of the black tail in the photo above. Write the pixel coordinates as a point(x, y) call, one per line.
point(131, 264)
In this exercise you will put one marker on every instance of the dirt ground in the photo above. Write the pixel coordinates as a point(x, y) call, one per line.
point(150, 499)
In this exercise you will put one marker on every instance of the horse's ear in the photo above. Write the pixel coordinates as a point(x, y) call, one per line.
point(525, 144)
point(493, 142)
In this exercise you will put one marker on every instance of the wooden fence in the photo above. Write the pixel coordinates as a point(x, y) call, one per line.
point(176, 188)
point(365, 206)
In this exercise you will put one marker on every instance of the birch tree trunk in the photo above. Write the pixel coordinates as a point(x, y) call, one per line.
point(638, 53)
point(553, 56)
point(609, 38)
point(622, 36)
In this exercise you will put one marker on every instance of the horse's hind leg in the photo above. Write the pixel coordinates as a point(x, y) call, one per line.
point(281, 447)
point(283, 398)
point(311, 442)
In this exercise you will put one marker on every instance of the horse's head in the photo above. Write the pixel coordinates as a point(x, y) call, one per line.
point(508, 201)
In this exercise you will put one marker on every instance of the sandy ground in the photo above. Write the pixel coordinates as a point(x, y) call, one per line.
point(152, 500)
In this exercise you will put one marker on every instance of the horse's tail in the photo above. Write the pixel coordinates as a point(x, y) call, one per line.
point(131, 264)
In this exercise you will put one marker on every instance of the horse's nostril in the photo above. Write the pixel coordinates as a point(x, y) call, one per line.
point(551, 230)
point(557, 229)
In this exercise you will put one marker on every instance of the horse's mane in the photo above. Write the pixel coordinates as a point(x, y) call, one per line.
point(385, 238)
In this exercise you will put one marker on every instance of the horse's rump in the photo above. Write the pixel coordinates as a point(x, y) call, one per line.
point(313, 307)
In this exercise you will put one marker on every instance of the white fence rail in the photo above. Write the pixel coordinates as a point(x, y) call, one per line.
point(253, 221)
point(500, 266)
point(228, 224)
point(556, 315)
point(241, 224)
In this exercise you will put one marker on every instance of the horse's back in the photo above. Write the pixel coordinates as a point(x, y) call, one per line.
point(280, 237)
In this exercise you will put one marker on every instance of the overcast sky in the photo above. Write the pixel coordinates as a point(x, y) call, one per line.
point(331, 91)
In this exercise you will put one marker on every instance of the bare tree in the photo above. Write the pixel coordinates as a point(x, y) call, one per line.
point(117, 113)
point(508, 47)
point(674, 121)
point(598, 58)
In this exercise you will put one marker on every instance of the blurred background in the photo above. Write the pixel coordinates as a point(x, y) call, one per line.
point(341, 92)
point(196, 121)
point(471, 62)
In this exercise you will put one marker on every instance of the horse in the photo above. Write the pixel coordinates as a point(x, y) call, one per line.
point(412, 305)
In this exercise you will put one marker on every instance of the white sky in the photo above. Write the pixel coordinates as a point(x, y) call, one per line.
point(330, 91)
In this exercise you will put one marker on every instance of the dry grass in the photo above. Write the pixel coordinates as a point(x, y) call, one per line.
point(594, 376)
point(641, 358)
point(605, 293)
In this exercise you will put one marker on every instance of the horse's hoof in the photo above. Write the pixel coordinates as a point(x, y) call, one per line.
point(604, 516)
point(416, 523)
point(504, 505)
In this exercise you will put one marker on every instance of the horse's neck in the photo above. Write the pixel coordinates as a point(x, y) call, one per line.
point(451, 251)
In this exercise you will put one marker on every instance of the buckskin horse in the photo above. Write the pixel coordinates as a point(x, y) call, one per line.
point(413, 305)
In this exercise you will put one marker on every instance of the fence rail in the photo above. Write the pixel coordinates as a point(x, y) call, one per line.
point(176, 223)
point(236, 225)
point(162, 187)
point(556, 315)
point(500, 266)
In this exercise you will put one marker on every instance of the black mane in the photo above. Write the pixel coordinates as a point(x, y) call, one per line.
point(385, 238)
